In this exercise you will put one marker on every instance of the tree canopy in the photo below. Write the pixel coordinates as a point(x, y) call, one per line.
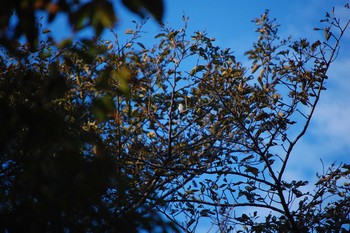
point(20, 17)
point(118, 137)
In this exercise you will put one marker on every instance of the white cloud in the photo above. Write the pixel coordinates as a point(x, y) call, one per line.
point(331, 120)
point(328, 137)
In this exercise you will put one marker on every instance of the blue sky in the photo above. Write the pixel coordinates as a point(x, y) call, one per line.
point(229, 21)
point(328, 138)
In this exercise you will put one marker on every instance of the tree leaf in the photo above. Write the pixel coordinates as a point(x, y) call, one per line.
point(103, 107)
point(253, 170)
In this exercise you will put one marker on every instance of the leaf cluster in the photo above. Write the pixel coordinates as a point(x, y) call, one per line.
point(20, 18)
point(57, 172)
point(104, 133)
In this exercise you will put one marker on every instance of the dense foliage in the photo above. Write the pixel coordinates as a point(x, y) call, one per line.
point(106, 137)
point(20, 17)
point(54, 176)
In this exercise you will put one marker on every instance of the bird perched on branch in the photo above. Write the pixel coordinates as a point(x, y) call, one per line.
point(181, 108)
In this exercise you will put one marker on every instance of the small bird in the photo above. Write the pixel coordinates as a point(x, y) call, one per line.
point(181, 108)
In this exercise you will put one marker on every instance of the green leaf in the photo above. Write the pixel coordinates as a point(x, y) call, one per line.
point(153, 7)
point(103, 107)
point(124, 78)
point(99, 15)
point(106, 14)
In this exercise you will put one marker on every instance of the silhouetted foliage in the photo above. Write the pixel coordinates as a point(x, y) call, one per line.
point(20, 17)
point(57, 173)
point(102, 136)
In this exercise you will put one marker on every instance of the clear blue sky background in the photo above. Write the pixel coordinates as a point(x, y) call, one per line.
point(229, 21)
